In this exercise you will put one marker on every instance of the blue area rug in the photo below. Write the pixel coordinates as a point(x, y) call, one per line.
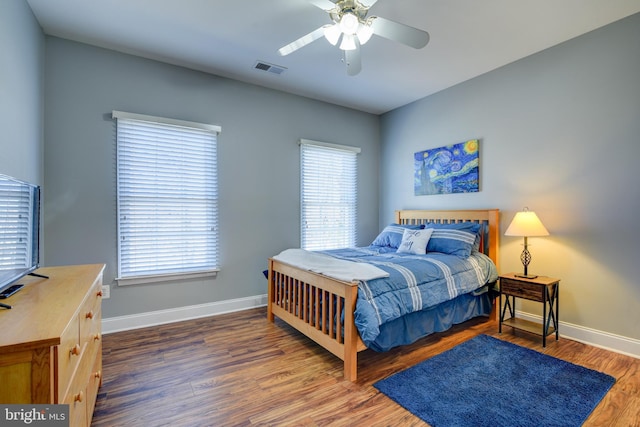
point(489, 382)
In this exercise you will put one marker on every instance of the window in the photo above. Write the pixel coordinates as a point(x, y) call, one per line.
point(167, 198)
point(328, 195)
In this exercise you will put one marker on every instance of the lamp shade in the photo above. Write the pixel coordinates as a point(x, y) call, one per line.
point(349, 23)
point(332, 33)
point(364, 33)
point(527, 224)
point(348, 42)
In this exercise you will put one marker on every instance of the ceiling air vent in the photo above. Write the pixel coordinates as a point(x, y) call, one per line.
point(270, 68)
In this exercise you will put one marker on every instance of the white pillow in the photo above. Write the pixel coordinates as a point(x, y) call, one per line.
point(415, 241)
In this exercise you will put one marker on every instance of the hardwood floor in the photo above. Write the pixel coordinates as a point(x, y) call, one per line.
point(240, 370)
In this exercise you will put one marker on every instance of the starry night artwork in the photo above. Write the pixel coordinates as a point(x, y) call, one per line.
point(446, 170)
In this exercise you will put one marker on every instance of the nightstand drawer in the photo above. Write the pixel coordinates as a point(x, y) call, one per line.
point(520, 289)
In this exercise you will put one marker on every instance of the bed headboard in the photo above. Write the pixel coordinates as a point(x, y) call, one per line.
point(488, 218)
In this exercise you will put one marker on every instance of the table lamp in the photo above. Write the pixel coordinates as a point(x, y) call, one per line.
point(526, 224)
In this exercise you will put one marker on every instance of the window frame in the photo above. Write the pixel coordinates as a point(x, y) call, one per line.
point(212, 214)
point(350, 153)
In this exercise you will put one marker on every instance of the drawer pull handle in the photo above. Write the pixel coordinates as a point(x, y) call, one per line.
point(99, 293)
point(96, 337)
point(78, 397)
point(97, 374)
point(89, 315)
point(75, 350)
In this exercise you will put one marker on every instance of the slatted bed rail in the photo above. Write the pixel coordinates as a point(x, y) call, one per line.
point(318, 306)
point(311, 304)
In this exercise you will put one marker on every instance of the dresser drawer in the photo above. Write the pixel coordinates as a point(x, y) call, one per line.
point(520, 289)
point(95, 380)
point(68, 355)
point(77, 398)
point(90, 318)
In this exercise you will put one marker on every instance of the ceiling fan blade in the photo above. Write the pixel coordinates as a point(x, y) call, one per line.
point(323, 4)
point(353, 61)
point(368, 3)
point(302, 41)
point(399, 32)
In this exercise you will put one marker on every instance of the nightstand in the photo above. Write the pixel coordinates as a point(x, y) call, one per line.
point(541, 289)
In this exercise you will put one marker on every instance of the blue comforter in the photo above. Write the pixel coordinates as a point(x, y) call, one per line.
point(415, 283)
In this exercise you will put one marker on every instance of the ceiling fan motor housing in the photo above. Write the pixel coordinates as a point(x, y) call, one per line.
point(352, 7)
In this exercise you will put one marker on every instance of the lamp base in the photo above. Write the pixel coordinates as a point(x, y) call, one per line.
point(525, 257)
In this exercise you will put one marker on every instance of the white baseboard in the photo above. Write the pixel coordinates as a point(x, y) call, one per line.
point(612, 342)
point(153, 318)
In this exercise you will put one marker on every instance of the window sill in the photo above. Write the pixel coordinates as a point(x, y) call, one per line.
point(141, 280)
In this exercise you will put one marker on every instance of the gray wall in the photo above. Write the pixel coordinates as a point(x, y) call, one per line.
point(559, 134)
point(21, 92)
point(258, 166)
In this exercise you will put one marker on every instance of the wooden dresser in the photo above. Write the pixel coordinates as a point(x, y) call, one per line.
point(51, 343)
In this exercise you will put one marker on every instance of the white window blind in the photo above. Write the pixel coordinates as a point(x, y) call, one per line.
point(328, 195)
point(167, 198)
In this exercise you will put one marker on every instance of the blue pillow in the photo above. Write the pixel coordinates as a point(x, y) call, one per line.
point(453, 239)
point(391, 235)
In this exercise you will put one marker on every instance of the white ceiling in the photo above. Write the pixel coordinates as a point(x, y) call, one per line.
point(227, 38)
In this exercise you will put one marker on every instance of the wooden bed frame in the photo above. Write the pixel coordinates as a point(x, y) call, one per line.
point(294, 293)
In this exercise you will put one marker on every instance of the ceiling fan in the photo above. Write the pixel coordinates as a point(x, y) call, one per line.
point(353, 28)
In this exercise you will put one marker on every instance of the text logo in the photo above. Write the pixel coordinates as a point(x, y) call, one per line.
point(34, 415)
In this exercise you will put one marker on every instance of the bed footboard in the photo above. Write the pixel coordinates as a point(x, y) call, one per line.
point(320, 307)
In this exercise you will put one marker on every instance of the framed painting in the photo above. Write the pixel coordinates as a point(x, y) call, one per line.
point(450, 169)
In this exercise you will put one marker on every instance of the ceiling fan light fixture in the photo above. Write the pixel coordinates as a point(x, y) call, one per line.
point(332, 33)
point(348, 42)
point(364, 33)
point(351, 27)
point(349, 23)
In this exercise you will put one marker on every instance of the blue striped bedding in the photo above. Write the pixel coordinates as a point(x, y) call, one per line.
point(415, 283)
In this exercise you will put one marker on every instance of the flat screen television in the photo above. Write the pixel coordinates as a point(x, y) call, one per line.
point(19, 229)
